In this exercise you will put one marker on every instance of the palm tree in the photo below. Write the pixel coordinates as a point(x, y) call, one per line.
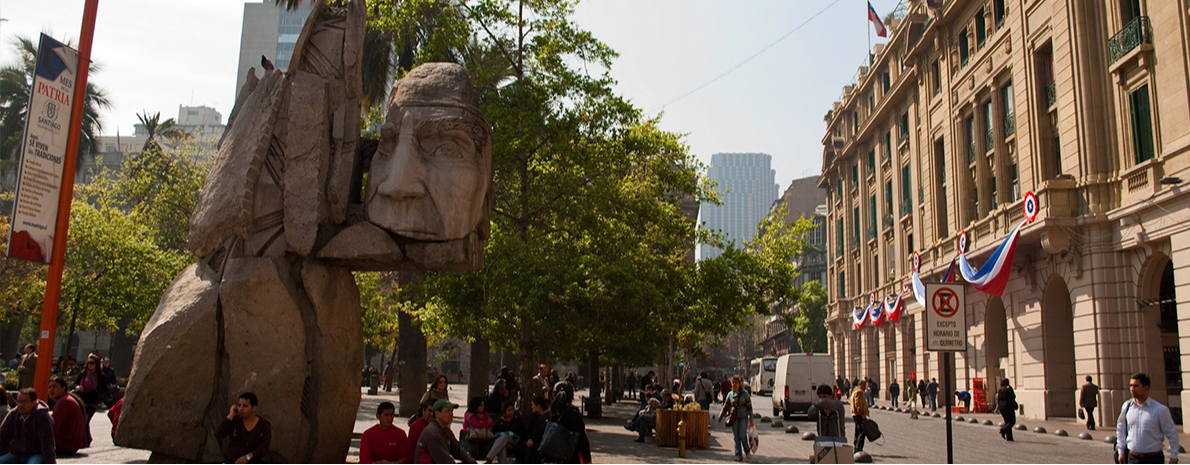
point(16, 83)
point(154, 126)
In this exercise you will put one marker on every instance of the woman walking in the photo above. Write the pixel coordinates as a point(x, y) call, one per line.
point(1006, 403)
point(737, 413)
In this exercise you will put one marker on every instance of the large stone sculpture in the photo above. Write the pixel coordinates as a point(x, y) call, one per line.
point(271, 306)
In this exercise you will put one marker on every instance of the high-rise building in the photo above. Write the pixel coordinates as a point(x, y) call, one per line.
point(747, 189)
point(270, 31)
point(969, 106)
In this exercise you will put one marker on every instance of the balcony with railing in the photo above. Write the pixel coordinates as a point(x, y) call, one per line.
point(1138, 31)
point(1051, 95)
point(871, 231)
point(906, 207)
point(854, 242)
point(888, 221)
point(1009, 124)
point(989, 138)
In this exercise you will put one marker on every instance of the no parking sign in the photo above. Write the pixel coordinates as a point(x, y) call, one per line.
point(946, 322)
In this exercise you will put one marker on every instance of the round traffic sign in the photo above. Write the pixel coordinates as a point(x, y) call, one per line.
point(945, 302)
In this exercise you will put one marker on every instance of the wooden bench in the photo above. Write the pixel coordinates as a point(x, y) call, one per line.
point(697, 428)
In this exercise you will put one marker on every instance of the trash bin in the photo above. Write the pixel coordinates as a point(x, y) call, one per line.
point(373, 384)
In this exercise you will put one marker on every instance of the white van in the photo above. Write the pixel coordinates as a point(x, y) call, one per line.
point(797, 380)
point(764, 372)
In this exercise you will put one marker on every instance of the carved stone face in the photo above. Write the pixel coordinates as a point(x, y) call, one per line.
point(430, 174)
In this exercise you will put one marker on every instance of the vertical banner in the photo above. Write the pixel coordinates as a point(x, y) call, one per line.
point(43, 152)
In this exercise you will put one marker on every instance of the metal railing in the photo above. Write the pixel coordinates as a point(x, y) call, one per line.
point(1051, 95)
point(888, 220)
point(1009, 124)
point(1137, 32)
point(871, 231)
point(989, 139)
point(906, 206)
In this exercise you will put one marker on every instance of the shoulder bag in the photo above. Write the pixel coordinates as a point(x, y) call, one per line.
point(557, 443)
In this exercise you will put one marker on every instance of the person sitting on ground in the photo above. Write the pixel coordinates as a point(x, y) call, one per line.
point(965, 398)
point(27, 433)
point(477, 428)
point(497, 397)
point(91, 385)
point(536, 426)
point(437, 443)
point(645, 421)
point(829, 412)
point(249, 435)
point(384, 442)
point(510, 432)
point(437, 391)
point(113, 414)
point(563, 412)
point(70, 424)
point(417, 424)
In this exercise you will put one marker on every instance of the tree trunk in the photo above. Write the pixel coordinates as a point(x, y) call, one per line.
point(595, 407)
point(10, 337)
point(411, 352)
point(481, 361)
point(526, 349)
point(123, 348)
point(74, 315)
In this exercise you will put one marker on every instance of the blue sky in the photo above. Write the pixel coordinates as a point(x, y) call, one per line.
point(159, 54)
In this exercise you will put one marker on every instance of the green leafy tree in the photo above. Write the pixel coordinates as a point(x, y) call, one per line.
point(809, 326)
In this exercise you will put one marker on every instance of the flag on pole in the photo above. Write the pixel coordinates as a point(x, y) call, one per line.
point(876, 22)
point(949, 277)
point(118, 149)
point(992, 278)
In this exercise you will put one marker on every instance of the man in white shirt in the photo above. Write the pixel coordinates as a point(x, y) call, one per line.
point(1143, 426)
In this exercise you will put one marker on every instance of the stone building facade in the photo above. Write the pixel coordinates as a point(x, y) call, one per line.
point(969, 105)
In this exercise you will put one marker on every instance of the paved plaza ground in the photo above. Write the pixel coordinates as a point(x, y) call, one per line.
point(906, 440)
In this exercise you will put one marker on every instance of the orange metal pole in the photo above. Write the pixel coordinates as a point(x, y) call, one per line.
point(53, 279)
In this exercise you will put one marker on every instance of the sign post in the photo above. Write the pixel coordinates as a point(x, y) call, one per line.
point(57, 249)
point(946, 332)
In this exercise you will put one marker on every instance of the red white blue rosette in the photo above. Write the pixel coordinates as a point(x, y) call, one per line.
point(872, 298)
point(1031, 207)
point(916, 261)
point(962, 245)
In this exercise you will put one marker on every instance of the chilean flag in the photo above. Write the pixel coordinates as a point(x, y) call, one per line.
point(876, 313)
point(919, 289)
point(992, 278)
point(860, 316)
point(893, 309)
point(949, 277)
point(876, 22)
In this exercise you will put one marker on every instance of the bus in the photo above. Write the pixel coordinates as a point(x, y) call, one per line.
point(763, 371)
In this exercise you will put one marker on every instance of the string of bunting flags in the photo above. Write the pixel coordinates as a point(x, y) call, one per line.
point(990, 279)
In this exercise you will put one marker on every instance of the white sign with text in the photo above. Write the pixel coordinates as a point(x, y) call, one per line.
point(946, 321)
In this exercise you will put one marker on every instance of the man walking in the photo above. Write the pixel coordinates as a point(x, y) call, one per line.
point(932, 390)
point(859, 413)
point(28, 366)
point(704, 392)
point(923, 390)
point(1142, 426)
point(894, 391)
point(630, 383)
point(1088, 399)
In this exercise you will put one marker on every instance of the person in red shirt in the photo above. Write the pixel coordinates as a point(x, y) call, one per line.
point(70, 424)
point(416, 426)
point(384, 443)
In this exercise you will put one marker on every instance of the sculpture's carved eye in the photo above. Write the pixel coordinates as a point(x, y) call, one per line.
point(452, 144)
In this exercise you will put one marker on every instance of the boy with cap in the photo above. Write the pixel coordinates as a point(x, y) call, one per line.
point(437, 443)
